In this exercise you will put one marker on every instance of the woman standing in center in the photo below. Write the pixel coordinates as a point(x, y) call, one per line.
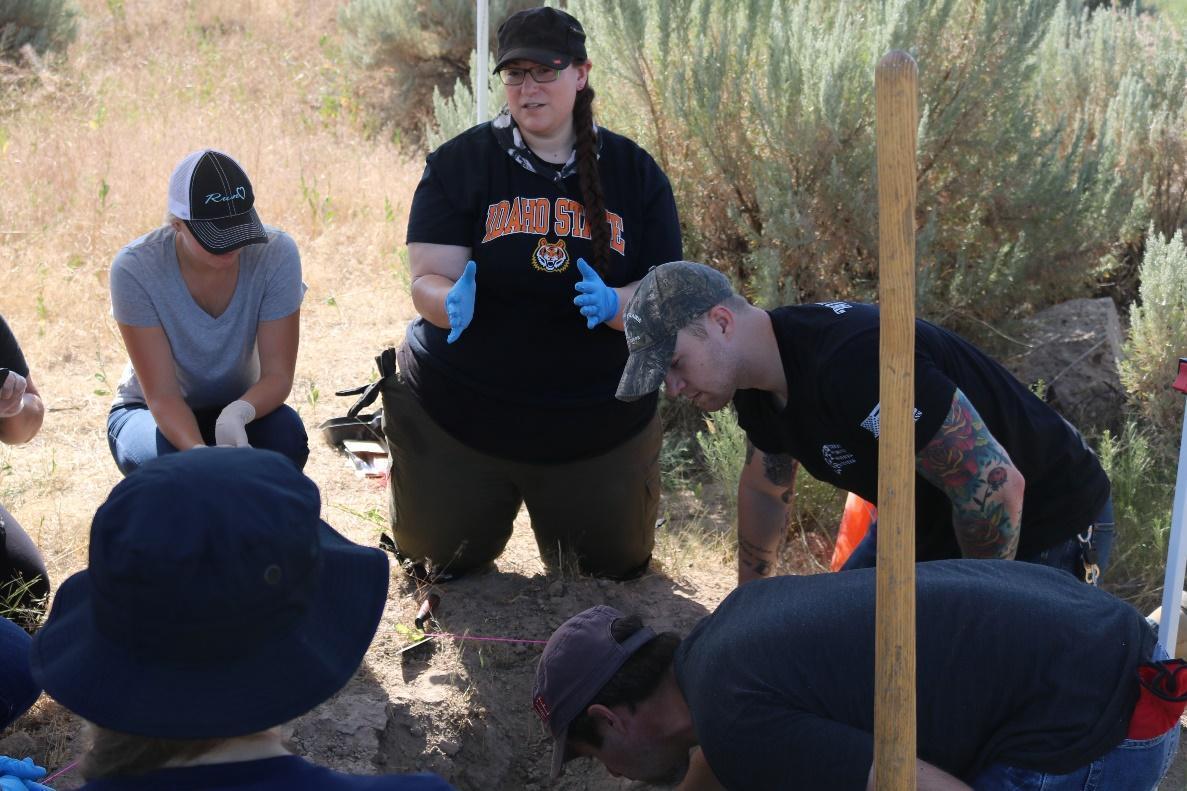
point(527, 235)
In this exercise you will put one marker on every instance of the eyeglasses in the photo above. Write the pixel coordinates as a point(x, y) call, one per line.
point(539, 74)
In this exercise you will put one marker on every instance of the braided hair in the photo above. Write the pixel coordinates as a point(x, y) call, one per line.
point(591, 180)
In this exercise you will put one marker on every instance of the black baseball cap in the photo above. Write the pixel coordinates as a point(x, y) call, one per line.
point(210, 193)
point(546, 36)
point(667, 298)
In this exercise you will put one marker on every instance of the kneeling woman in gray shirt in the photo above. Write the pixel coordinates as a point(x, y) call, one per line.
point(209, 307)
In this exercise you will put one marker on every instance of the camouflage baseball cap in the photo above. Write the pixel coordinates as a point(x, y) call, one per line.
point(668, 297)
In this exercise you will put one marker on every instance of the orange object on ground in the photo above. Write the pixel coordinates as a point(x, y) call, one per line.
point(855, 523)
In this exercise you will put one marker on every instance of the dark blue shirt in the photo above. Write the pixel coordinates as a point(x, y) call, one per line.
point(287, 773)
point(1017, 663)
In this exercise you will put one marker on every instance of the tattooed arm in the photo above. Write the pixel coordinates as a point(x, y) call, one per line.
point(967, 463)
point(765, 490)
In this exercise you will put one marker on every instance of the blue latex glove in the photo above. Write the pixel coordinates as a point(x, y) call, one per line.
point(598, 302)
point(20, 775)
point(10, 783)
point(459, 303)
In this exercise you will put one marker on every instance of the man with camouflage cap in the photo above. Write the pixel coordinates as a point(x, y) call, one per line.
point(1000, 474)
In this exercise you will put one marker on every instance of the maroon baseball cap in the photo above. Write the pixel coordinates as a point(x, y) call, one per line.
point(579, 659)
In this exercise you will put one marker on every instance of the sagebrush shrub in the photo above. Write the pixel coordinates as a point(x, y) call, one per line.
point(46, 25)
point(762, 114)
point(1143, 489)
point(723, 445)
point(1157, 339)
point(414, 48)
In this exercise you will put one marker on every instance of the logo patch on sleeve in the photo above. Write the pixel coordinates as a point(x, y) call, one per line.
point(836, 457)
point(873, 421)
point(550, 256)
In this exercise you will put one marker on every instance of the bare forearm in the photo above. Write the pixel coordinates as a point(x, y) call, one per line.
point(428, 296)
point(989, 527)
point(176, 421)
point(966, 462)
point(24, 425)
point(268, 393)
point(762, 522)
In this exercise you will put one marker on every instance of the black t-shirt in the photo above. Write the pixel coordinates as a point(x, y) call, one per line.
point(1017, 664)
point(527, 380)
point(830, 423)
point(10, 351)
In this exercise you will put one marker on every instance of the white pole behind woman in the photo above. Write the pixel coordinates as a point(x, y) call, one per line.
point(483, 36)
point(1176, 557)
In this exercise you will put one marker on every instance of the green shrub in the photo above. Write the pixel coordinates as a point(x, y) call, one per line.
point(1143, 488)
point(1121, 78)
point(818, 506)
point(761, 112)
point(414, 48)
point(454, 114)
point(723, 444)
point(680, 461)
point(46, 25)
point(1157, 339)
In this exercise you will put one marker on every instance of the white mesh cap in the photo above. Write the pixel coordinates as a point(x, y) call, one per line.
point(211, 193)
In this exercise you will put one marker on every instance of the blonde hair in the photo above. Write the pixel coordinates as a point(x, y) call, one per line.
point(112, 753)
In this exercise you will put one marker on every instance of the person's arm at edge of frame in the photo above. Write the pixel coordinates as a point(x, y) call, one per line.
point(986, 504)
point(278, 341)
point(152, 360)
point(23, 426)
point(765, 491)
point(435, 268)
point(928, 778)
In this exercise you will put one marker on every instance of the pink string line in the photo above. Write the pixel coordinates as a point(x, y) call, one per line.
point(61, 771)
point(484, 639)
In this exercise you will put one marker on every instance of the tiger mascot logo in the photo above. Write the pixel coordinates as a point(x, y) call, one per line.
point(551, 256)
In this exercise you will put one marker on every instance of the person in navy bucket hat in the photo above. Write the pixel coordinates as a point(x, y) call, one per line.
point(216, 605)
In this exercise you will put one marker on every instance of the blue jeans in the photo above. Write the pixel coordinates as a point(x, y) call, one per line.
point(1066, 555)
point(134, 438)
point(1133, 765)
point(18, 690)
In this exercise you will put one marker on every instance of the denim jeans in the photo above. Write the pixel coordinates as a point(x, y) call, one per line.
point(134, 438)
point(1133, 765)
point(18, 690)
point(1065, 555)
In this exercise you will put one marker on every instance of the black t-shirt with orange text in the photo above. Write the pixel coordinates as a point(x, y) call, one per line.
point(527, 380)
point(10, 351)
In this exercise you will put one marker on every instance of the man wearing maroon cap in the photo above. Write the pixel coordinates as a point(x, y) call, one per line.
point(1055, 683)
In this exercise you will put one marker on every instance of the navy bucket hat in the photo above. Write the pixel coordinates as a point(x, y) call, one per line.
point(216, 603)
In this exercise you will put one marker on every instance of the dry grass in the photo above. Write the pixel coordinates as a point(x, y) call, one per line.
point(84, 159)
point(85, 153)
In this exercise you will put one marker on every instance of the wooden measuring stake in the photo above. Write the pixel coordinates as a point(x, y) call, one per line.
point(895, 84)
